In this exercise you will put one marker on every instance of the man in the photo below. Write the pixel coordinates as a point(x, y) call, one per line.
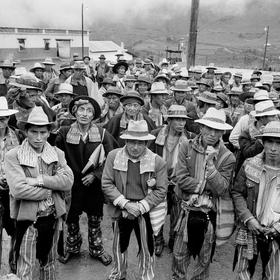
point(235, 109)
point(132, 103)
point(256, 200)
point(89, 68)
point(112, 106)
point(167, 143)
point(143, 86)
point(50, 72)
point(82, 85)
point(38, 177)
point(7, 68)
point(129, 82)
point(156, 109)
point(148, 69)
point(203, 85)
point(8, 140)
point(38, 70)
point(217, 78)
point(119, 70)
point(138, 66)
point(225, 81)
point(209, 75)
point(53, 85)
point(134, 181)
point(101, 69)
point(106, 83)
point(203, 172)
point(237, 78)
point(254, 79)
point(246, 85)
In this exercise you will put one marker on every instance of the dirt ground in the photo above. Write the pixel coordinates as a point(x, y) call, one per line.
point(85, 268)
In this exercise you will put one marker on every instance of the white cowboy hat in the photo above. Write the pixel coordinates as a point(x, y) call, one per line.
point(266, 108)
point(215, 119)
point(158, 88)
point(137, 130)
point(4, 109)
point(272, 129)
point(65, 89)
point(177, 111)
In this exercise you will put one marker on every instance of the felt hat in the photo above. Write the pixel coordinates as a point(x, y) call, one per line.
point(261, 95)
point(215, 119)
point(65, 66)
point(162, 76)
point(75, 102)
point(177, 111)
point(130, 78)
point(107, 81)
point(235, 91)
point(211, 66)
point(164, 61)
point(208, 97)
point(158, 88)
point(119, 64)
point(203, 81)
point(255, 77)
point(4, 109)
point(246, 95)
point(79, 65)
point(36, 117)
point(181, 85)
point(246, 82)
point(272, 129)
point(222, 96)
point(65, 88)
point(102, 56)
point(48, 61)
point(7, 64)
point(86, 56)
point(27, 81)
point(266, 108)
point(217, 88)
point(37, 65)
point(144, 78)
point(238, 74)
point(137, 130)
point(132, 95)
point(147, 61)
point(257, 72)
point(113, 91)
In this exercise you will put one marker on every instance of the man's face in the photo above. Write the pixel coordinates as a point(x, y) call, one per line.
point(132, 109)
point(234, 99)
point(48, 67)
point(218, 76)
point(102, 60)
point(202, 87)
point(266, 119)
point(158, 99)
point(86, 60)
point(129, 84)
point(248, 107)
point(254, 81)
point(67, 73)
point(210, 136)
point(142, 87)
point(226, 78)
point(29, 98)
point(121, 70)
point(37, 137)
point(271, 148)
point(237, 79)
point(78, 73)
point(85, 114)
point(39, 73)
point(4, 122)
point(113, 101)
point(7, 72)
point(246, 87)
point(180, 95)
point(65, 99)
point(177, 124)
point(135, 148)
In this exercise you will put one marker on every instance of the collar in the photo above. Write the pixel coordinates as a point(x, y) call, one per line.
point(147, 161)
point(74, 135)
point(162, 136)
point(27, 155)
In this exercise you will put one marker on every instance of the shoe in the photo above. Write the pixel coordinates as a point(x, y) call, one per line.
point(104, 258)
point(67, 257)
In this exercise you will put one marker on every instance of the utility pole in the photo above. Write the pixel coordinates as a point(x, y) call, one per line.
point(265, 46)
point(192, 34)
point(82, 30)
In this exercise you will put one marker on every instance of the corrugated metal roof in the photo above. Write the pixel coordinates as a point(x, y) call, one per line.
point(103, 46)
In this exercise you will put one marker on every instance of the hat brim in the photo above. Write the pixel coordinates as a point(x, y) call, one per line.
point(268, 113)
point(48, 63)
point(214, 125)
point(179, 89)
point(123, 98)
point(272, 135)
point(127, 136)
point(22, 124)
point(66, 68)
point(15, 84)
point(97, 109)
point(9, 67)
point(207, 100)
point(176, 116)
point(202, 83)
point(105, 94)
point(65, 92)
point(33, 69)
point(211, 67)
point(158, 93)
point(116, 66)
point(8, 112)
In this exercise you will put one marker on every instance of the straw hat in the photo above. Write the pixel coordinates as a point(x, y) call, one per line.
point(102, 56)
point(113, 91)
point(137, 130)
point(37, 65)
point(208, 97)
point(181, 85)
point(238, 74)
point(65, 89)
point(130, 78)
point(26, 81)
point(147, 61)
point(162, 76)
point(132, 94)
point(79, 65)
point(36, 117)
point(4, 109)
point(7, 64)
point(255, 77)
point(222, 96)
point(217, 88)
point(272, 129)
point(235, 91)
point(65, 66)
point(164, 61)
point(246, 82)
point(261, 95)
point(266, 108)
point(211, 66)
point(215, 119)
point(177, 111)
point(48, 61)
point(158, 88)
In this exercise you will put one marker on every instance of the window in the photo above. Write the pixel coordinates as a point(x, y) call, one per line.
point(47, 44)
point(21, 43)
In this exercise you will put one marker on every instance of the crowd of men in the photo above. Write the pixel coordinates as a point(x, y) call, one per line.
point(147, 141)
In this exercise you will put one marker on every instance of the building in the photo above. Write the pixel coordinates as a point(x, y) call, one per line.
point(109, 49)
point(26, 44)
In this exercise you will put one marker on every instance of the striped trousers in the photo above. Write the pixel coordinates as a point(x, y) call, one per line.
point(146, 261)
point(182, 256)
point(27, 256)
point(272, 268)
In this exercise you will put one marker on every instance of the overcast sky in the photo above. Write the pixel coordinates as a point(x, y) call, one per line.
point(67, 13)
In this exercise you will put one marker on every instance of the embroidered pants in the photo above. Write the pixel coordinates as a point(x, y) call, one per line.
point(27, 256)
point(146, 259)
point(74, 238)
point(272, 268)
point(181, 257)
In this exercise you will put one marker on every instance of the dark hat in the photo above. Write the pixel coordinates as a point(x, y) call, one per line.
point(65, 66)
point(117, 65)
point(108, 81)
point(203, 81)
point(132, 94)
point(86, 56)
point(162, 76)
point(7, 64)
point(102, 56)
point(113, 91)
point(257, 72)
point(97, 110)
point(144, 78)
point(255, 77)
point(208, 97)
point(222, 96)
point(245, 95)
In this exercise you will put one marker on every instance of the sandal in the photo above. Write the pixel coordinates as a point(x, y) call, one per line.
point(64, 259)
point(104, 258)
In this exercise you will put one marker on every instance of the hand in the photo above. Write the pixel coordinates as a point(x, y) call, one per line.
point(211, 154)
point(32, 181)
point(3, 184)
point(271, 232)
point(193, 199)
point(88, 179)
point(133, 209)
point(254, 226)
